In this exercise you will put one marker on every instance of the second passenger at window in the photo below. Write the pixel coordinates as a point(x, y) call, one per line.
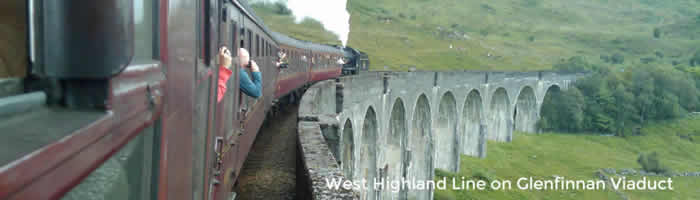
point(251, 87)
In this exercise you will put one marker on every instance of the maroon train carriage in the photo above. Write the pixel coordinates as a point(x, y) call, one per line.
point(309, 63)
point(116, 98)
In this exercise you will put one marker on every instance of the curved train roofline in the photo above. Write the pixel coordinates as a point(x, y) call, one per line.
point(306, 45)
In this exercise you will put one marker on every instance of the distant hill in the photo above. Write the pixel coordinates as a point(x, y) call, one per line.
point(509, 34)
point(283, 22)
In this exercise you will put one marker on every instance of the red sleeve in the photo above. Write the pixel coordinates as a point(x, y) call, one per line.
point(224, 74)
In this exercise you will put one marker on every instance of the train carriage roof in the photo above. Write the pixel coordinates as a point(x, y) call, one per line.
point(289, 41)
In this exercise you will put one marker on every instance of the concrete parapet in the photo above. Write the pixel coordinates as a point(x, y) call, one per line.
point(318, 142)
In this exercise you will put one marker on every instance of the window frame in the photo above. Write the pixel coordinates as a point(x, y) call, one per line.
point(64, 163)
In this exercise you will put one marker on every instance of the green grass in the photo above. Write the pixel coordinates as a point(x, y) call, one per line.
point(580, 156)
point(404, 33)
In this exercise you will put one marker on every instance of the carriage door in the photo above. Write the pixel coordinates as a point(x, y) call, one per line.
point(206, 74)
point(226, 127)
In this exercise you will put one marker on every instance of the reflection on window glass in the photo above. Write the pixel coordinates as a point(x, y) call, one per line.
point(126, 175)
point(143, 29)
point(13, 49)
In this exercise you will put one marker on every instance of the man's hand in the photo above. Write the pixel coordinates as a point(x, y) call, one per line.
point(281, 56)
point(280, 59)
point(254, 66)
point(225, 57)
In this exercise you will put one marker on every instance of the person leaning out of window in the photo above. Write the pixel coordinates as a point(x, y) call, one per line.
point(251, 87)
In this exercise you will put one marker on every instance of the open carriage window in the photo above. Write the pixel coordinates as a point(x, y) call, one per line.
point(130, 172)
point(58, 96)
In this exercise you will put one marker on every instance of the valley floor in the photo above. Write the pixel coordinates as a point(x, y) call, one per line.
point(583, 157)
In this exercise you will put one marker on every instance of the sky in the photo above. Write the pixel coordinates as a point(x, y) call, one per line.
point(332, 14)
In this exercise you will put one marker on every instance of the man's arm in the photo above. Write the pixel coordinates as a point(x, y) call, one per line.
point(224, 75)
point(251, 87)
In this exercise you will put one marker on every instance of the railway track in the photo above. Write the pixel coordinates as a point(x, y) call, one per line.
point(270, 169)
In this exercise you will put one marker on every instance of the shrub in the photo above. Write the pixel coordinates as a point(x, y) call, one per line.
point(487, 7)
point(659, 54)
point(605, 58)
point(657, 33)
point(531, 3)
point(647, 60)
point(542, 125)
point(695, 60)
point(445, 195)
point(482, 175)
point(444, 173)
point(484, 32)
point(650, 163)
point(531, 38)
point(573, 64)
point(617, 58)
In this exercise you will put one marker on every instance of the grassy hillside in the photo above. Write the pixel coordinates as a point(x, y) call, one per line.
point(522, 34)
point(580, 156)
point(513, 34)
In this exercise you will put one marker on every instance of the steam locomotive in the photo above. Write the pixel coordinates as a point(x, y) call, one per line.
point(119, 97)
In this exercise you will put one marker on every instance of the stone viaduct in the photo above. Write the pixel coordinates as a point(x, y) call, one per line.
point(396, 125)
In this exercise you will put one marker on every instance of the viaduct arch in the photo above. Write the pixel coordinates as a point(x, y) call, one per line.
point(414, 122)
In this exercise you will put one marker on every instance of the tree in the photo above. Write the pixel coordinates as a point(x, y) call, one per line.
point(642, 88)
point(572, 107)
point(623, 109)
point(602, 105)
point(282, 8)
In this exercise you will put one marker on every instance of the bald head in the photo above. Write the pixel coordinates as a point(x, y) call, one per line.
point(243, 56)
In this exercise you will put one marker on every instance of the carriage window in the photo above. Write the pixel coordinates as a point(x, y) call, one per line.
point(250, 42)
point(204, 32)
point(234, 34)
point(242, 35)
point(257, 45)
point(128, 174)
